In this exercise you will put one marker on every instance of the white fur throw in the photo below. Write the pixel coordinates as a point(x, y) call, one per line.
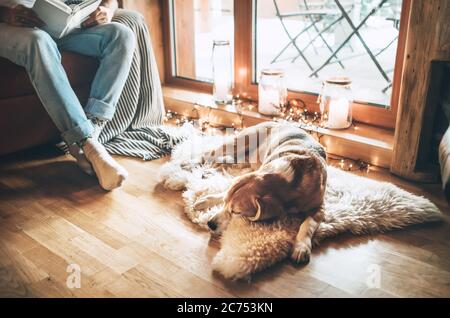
point(352, 204)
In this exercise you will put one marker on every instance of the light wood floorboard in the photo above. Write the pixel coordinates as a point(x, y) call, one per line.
point(136, 242)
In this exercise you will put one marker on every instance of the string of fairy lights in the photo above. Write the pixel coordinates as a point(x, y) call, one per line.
point(295, 111)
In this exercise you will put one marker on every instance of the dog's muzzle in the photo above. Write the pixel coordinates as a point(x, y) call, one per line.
point(212, 225)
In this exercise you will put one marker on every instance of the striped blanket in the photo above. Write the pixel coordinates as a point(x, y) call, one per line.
point(136, 129)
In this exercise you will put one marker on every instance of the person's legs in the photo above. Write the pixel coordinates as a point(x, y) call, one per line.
point(114, 45)
point(36, 51)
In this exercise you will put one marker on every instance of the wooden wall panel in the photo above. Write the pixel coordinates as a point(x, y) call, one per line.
point(152, 11)
point(428, 41)
point(184, 25)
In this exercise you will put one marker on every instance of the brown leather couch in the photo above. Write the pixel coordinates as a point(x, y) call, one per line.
point(24, 122)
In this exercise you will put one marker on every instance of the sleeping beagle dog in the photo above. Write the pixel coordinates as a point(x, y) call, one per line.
point(289, 177)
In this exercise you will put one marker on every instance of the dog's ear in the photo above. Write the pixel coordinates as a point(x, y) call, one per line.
point(239, 182)
point(302, 162)
point(303, 166)
point(267, 207)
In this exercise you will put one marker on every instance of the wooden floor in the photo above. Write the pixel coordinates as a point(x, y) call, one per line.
point(136, 242)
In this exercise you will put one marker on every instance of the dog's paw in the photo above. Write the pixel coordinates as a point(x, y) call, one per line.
point(208, 201)
point(301, 253)
point(201, 204)
point(204, 203)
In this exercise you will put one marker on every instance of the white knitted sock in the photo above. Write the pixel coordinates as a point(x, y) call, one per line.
point(110, 174)
point(81, 159)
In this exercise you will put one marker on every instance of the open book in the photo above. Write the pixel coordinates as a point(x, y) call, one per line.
point(62, 18)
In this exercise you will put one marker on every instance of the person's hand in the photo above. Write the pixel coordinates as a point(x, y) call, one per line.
point(100, 16)
point(22, 16)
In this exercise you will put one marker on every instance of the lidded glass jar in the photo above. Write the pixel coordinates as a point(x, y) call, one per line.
point(335, 102)
point(222, 72)
point(272, 92)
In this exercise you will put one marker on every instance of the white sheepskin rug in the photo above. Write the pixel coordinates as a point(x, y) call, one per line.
point(353, 204)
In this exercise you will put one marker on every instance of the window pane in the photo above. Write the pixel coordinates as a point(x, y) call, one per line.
point(196, 25)
point(315, 39)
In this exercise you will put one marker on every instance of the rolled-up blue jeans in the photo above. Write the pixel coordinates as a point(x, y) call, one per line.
point(113, 44)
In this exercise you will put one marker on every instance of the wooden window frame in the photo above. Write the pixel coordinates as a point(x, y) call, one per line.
point(243, 66)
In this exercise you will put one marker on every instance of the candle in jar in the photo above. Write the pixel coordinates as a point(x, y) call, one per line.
point(222, 90)
point(338, 113)
point(269, 102)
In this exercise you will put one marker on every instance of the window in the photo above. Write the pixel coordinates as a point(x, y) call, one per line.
point(196, 25)
point(309, 39)
point(315, 39)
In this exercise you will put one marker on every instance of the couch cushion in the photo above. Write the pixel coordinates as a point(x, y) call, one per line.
point(15, 82)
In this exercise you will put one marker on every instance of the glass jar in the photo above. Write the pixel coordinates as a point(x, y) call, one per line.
point(272, 92)
point(335, 103)
point(222, 72)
